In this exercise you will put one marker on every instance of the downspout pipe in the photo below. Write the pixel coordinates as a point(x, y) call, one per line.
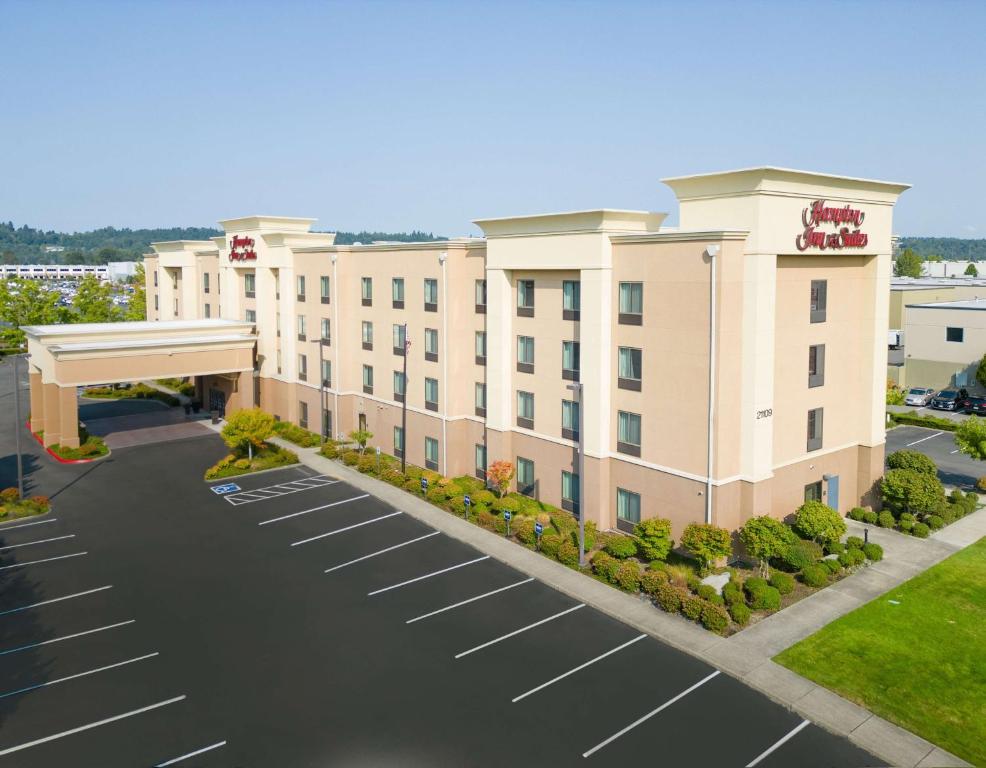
point(443, 260)
point(712, 251)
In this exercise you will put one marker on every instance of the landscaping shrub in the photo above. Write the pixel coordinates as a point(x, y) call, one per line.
point(715, 618)
point(852, 558)
point(654, 538)
point(9, 495)
point(691, 607)
point(906, 526)
point(873, 552)
point(621, 547)
point(912, 460)
point(907, 517)
point(854, 542)
point(351, 458)
point(782, 582)
point(951, 513)
point(707, 543)
point(605, 566)
point(269, 457)
point(330, 450)
point(934, 522)
point(857, 513)
point(487, 520)
point(295, 434)
point(972, 501)
point(762, 596)
point(833, 565)
point(885, 519)
point(920, 530)
point(627, 575)
point(740, 613)
point(819, 522)
point(668, 597)
point(870, 517)
point(707, 592)
point(732, 593)
point(815, 575)
point(568, 554)
point(523, 529)
point(800, 555)
point(651, 581)
point(765, 539)
point(905, 490)
point(834, 548)
point(657, 565)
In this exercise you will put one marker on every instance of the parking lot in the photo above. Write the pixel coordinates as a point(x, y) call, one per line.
point(148, 621)
point(954, 468)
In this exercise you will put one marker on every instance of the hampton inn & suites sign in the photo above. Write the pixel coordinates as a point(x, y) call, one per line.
point(846, 220)
point(241, 249)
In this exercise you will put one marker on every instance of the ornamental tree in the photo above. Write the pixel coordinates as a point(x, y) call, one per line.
point(905, 490)
point(819, 522)
point(654, 538)
point(912, 460)
point(361, 437)
point(908, 264)
point(247, 429)
point(970, 437)
point(499, 474)
point(765, 538)
point(707, 542)
point(971, 270)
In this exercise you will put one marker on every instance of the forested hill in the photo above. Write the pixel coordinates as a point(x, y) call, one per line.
point(26, 245)
point(949, 248)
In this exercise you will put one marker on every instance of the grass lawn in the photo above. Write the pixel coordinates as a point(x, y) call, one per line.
point(919, 662)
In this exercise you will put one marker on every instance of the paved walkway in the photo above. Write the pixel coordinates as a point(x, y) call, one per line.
point(746, 655)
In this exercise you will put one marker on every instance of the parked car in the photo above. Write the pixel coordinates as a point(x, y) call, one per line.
point(919, 396)
point(950, 399)
point(976, 405)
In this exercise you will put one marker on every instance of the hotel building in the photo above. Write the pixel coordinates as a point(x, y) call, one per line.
point(728, 367)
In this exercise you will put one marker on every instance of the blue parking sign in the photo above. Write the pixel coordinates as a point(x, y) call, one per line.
point(424, 484)
point(467, 500)
point(227, 488)
point(507, 515)
point(538, 529)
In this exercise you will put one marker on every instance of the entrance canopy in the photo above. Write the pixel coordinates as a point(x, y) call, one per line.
point(63, 357)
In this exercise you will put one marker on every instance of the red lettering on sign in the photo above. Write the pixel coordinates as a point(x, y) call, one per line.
point(241, 249)
point(817, 213)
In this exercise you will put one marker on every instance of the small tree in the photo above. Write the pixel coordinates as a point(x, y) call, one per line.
point(912, 460)
point(707, 542)
point(970, 437)
point(654, 538)
point(765, 538)
point(818, 521)
point(248, 429)
point(499, 474)
point(905, 490)
point(895, 395)
point(981, 372)
point(971, 270)
point(908, 264)
point(361, 437)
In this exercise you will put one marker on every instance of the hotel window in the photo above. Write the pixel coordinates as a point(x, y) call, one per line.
point(156, 301)
point(525, 410)
point(570, 360)
point(368, 379)
point(250, 285)
point(816, 365)
point(627, 509)
point(570, 419)
point(431, 344)
point(481, 461)
point(815, 429)
point(480, 347)
point(480, 399)
point(631, 303)
point(303, 367)
point(628, 433)
point(569, 491)
point(302, 328)
point(630, 362)
point(323, 287)
point(431, 453)
point(174, 280)
point(400, 339)
point(398, 442)
point(399, 386)
point(278, 361)
point(481, 297)
point(431, 394)
point(303, 414)
point(205, 282)
point(155, 279)
point(277, 283)
point(278, 316)
point(525, 298)
point(367, 291)
point(525, 476)
point(431, 295)
point(301, 287)
point(176, 307)
point(208, 311)
point(525, 354)
point(367, 334)
point(251, 316)
point(819, 300)
point(813, 491)
point(571, 299)
point(397, 292)
point(326, 328)
point(326, 373)
point(954, 334)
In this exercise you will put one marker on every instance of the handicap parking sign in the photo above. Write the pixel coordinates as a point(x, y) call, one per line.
point(227, 488)
point(506, 514)
point(466, 500)
point(538, 529)
point(424, 483)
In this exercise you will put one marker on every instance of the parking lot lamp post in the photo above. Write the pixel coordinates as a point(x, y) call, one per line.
point(577, 389)
point(407, 344)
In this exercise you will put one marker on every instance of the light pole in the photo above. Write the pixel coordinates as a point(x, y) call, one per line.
point(577, 389)
point(407, 343)
point(321, 384)
point(17, 426)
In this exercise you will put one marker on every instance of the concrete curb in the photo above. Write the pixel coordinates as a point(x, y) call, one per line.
point(748, 661)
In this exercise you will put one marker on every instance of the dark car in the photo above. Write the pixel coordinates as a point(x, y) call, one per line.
point(976, 405)
point(950, 399)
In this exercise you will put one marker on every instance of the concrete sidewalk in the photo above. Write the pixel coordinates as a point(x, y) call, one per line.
point(746, 655)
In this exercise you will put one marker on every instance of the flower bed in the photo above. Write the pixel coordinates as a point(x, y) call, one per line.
point(295, 434)
point(646, 562)
point(91, 448)
point(269, 457)
point(12, 506)
point(136, 391)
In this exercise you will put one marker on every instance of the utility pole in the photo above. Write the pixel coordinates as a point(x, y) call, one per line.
point(321, 385)
point(407, 345)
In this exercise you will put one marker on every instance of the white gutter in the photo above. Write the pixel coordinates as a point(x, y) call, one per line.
point(712, 251)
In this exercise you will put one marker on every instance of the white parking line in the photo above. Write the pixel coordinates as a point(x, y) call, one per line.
point(347, 528)
point(791, 735)
point(955, 451)
point(67, 637)
point(191, 754)
point(470, 600)
point(562, 676)
point(39, 541)
point(89, 726)
point(46, 560)
point(313, 509)
point(923, 439)
point(80, 674)
point(280, 489)
point(649, 715)
point(55, 600)
point(518, 631)
point(428, 576)
point(4, 529)
point(381, 552)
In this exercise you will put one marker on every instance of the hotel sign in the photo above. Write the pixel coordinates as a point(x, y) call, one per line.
point(241, 249)
point(846, 220)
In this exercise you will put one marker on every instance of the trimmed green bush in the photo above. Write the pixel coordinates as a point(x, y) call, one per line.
point(651, 581)
point(870, 517)
point(691, 607)
point(834, 548)
point(833, 565)
point(920, 530)
point(628, 575)
point(857, 513)
point(621, 547)
point(873, 552)
point(815, 576)
point(707, 592)
point(740, 613)
point(912, 460)
point(568, 554)
point(819, 522)
point(707, 543)
point(654, 538)
point(732, 593)
point(603, 565)
point(854, 542)
point(852, 558)
point(550, 544)
point(782, 582)
point(762, 596)
point(668, 597)
point(885, 519)
point(714, 618)
point(934, 522)
point(801, 554)
point(906, 526)
point(523, 529)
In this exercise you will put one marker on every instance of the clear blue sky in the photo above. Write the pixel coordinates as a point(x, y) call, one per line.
point(396, 116)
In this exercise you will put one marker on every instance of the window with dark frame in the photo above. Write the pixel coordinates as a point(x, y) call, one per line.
point(323, 289)
point(480, 347)
point(400, 386)
point(301, 288)
point(569, 491)
point(816, 365)
point(431, 344)
point(525, 410)
point(526, 484)
point(368, 379)
point(367, 335)
point(480, 461)
point(431, 453)
point(627, 509)
point(813, 491)
point(631, 302)
point(525, 354)
point(398, 442)
point(525, 298)
point(570, 360)
point(570, 419)
point(302, 328)
point(481, 297)
point(815, 429)
point(303, 367)
point(954, 334)
point(303, 414)
point(326, 329)
point(366, 289)
point(397, 293)
point(431, 394)
point(480, 399)
point(431, 294)
point(628, 433)
point(571, 299)
point(205, 282)
point(819, 300)
point(400, 340)
point(630, 368)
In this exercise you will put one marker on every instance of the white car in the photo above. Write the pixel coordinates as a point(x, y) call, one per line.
point(919, 396)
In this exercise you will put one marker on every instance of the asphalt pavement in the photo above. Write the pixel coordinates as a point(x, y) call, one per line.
point(954, 468)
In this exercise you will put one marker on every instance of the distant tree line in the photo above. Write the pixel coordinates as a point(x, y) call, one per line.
point(945, 248)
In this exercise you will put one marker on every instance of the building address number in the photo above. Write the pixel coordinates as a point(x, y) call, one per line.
point(766, 413)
